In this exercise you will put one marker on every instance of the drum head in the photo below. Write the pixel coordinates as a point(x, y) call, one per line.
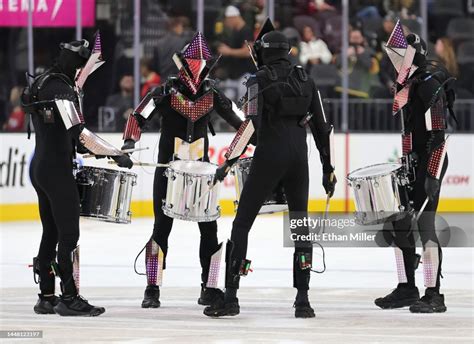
point(193, 167)
point(374, 171)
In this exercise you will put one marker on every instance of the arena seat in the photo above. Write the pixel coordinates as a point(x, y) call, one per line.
point(460, 29)
point(465, 53)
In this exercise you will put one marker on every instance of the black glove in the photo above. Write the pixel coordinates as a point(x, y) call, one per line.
point(123, 161)
point(431, 187)
point(128, 144)
point(329, 183)
point(221, 172)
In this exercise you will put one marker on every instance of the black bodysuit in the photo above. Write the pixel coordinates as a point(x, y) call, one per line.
point(51, 173)
point(175, 123)
point(426, 92)
point(281, 156)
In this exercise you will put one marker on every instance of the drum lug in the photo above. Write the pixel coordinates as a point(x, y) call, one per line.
point(376, 185)
point(186, 211)
point(357, 186)
point(401, 208)
point(206, 211)
point(189, 181)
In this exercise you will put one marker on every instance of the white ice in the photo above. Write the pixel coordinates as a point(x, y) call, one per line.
point(342, 296)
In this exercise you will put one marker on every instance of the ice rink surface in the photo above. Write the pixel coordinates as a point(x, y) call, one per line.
point(342, 296)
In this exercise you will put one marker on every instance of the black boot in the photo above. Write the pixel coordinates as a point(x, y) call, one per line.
point(76, 306)
point(226, 306)
point(302, 261)
point(402, 296)
point(45, 304)
point(432, 302)
point(209, 295)
point(151, 298)
point(302, 306)
point(46, 280)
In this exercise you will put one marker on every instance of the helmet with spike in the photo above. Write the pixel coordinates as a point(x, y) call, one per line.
point(194, 62)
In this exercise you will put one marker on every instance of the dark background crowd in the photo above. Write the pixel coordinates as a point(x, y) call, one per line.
point(314, 28)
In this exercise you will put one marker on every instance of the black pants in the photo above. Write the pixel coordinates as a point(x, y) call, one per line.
point(59, 209)
point(404, 235)
point(274, 163)
point(163, 224)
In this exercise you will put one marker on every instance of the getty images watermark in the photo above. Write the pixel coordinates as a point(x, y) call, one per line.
point(343, 230)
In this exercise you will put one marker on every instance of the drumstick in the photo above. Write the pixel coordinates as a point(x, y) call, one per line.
point(331, 178)
point(139, 163)
point(203, 195)
point(125, 151)
point(422, 208)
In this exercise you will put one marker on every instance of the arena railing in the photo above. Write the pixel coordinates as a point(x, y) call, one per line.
point(365, 115)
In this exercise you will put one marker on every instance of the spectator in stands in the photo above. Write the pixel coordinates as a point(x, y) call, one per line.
point(363, 67)
point(406, 9)
point(122, 102)
point(235, 61)
point(16, 119)
point(174, 40)
point(150, 78)
point(444, 50)
point(313, 50)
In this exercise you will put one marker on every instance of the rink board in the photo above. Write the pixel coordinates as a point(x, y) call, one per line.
point(18, 199)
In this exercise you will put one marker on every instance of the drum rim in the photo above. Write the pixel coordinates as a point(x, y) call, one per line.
point(375, 175)
point(178, 216)
point(170, 167)
point(107, 170)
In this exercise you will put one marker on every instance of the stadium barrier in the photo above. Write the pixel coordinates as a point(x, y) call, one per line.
point(18, 199)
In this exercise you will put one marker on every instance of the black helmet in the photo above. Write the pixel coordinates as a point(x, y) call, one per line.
point(73, 55)
point(272, 46)
point(420, 47)
point(418, 43)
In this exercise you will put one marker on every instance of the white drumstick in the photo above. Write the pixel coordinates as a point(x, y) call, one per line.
point(203, 195)
point(328, 198)
point(139, 163)
point(125, 151)
point(422, 209)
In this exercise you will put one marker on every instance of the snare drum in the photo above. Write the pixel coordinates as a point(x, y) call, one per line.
point(190, 194)
point(276, 202)
point(380, 193)
point(105, 194)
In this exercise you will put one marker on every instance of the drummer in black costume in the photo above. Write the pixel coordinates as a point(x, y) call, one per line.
point(425, 95)
point(281, 100)
point(54, 101)
point(184, 104)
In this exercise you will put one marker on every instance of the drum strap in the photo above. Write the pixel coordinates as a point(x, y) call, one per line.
point(189, 131)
